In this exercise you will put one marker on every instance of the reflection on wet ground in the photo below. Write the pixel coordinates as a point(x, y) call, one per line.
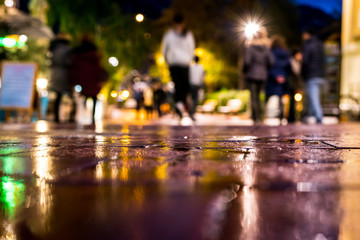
point(169, 182)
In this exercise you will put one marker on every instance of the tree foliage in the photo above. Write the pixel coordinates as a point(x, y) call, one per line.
point(116, 33)
point(215, 25)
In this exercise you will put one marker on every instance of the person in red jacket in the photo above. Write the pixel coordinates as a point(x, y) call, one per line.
point(87, 71)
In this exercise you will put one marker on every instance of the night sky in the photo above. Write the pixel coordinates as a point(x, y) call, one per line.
point(329, 6)
point(153, 7)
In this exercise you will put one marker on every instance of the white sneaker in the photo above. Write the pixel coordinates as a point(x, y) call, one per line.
point(186, 121)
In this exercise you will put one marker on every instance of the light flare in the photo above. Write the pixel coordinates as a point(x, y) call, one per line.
point(9, 3)
point(23, 38)
point(251, 29)
point(139, 17)
point(125, 94)
point(113, 61)
point(42, 126)
point(298, 97)
point(42, 83)
point(249, 26)
point(113, 93)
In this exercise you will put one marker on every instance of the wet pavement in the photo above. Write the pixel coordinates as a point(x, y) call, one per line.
point(159, 181)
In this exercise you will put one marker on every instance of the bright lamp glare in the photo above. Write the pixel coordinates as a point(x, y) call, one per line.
point(113, 94)
point(9, 42)
point(41, 83)
point(9, 3)
point(113, 61)
point(78, 88)
point(42, 126)
point(251, 29)
point(23, 38)
point(298, 97)
point(125, 94)
point(139, 17)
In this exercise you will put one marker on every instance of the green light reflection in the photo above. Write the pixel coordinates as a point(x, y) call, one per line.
point(10, 150)
point(12, 165)
point(12, 194)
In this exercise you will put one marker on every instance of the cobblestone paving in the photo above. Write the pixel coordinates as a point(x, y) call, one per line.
point(173, 182)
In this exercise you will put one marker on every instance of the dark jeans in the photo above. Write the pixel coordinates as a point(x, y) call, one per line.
point(194, 98)
point(57, 106)
point(180, 77)
point(255, 88)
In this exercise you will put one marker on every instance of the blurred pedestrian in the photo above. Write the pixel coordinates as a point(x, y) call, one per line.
point(257, 61)
point(313, 72)
point(178, 47)
point(278, 73)
point(139, 88)
point(197, 75)
point(159, 96)
point(86, 70)
point(295, 82)
point(60, 51)
point(149, 101)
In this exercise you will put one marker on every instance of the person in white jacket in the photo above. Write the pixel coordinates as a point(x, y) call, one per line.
point(178, 47)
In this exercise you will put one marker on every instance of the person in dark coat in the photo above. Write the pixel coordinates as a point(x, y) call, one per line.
point(87, 71)
point(257, 61)
point(313, 72)
point(159, 96)
point(278, 73)
point(60, 63)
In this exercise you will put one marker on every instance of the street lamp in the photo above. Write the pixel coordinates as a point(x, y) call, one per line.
point(42, 83)
point(125, 94)
point(113, 61)
point(9, 3)
point(251, 30)
point(298, 97)
point(113, 93)
point(78, 88)
point(139, 17)
point(23, 38)
point(8, 42)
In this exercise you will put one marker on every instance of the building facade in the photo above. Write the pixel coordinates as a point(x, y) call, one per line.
point(350, 74)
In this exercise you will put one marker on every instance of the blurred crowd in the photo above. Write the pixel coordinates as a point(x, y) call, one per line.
point(269, 67)
point(79, 66)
